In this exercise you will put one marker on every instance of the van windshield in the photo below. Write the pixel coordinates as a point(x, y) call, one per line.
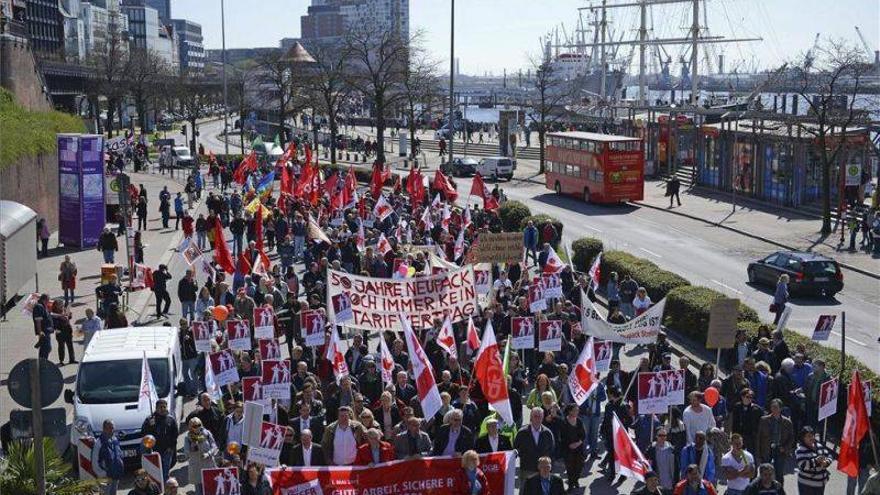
point(113, 382)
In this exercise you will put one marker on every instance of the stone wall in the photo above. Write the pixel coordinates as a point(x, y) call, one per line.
point(20, 75)
point(33, 181)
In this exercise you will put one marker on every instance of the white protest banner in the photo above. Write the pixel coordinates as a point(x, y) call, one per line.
point(552, 285)
point(238, 335)
point(828, 391)
point(312, 487)
point(659, 390)
point(824, 326)
point(276, 379)
point(602, 352)
point(264, 322)
point(268, 450)
point(27, 307)
point(312, 324)
point(253, 421)
point(342, 307)
point(201, 331)
point(642, 329)
point(550, 335)
point(220, 481)
point(536, 296)
point(522, 330)
point(269, 348)
point(867, 391)
point(224, 368)
point(377, 302)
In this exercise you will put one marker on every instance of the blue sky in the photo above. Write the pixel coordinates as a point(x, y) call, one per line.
point(492, 35)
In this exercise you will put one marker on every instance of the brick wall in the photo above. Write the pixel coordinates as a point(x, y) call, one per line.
point(33, 181)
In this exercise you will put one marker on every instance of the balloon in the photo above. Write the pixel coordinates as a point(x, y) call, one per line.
point(220, 313)
point(232, 448)
point(711, 395)
point(411, 271)
point(149, 441)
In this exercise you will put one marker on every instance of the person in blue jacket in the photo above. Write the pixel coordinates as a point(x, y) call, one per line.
point(530, 241)
point(110, 458)
point(701, 454)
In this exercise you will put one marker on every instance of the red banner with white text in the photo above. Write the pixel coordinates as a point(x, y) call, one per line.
point(430, 475)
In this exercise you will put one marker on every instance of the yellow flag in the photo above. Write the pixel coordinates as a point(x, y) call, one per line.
point(253, 205)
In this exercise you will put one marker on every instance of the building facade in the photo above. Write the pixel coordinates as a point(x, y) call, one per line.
point(45, 26)
point(191, 50)
point(143, 26)
point(328, 20)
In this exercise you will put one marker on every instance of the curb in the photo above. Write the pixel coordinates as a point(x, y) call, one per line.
point(752, 236)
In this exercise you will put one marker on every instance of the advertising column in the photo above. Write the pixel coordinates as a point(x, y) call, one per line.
point(81, 195)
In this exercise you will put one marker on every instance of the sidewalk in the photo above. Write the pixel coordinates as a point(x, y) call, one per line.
point(781, 227)
point(16, 332)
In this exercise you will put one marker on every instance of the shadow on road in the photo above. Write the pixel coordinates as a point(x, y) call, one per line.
point(576, 205)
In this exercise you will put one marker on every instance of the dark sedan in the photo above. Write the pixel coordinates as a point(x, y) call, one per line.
point(808, 273)
point(460, 167)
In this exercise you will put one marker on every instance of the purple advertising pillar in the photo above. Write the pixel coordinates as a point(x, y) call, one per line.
point(81, 189)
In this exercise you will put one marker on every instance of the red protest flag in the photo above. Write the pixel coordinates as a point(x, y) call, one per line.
point(221, 255)
point(489, 370)
point(479, 188)
point(308, 154)
point(248, 165)
point(628, 459)
point(415, 186)
point(258, 234)
point(442, 183)
point(854, 428)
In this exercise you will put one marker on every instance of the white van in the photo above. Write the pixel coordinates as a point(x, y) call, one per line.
point(108, 382)
point(496, 167)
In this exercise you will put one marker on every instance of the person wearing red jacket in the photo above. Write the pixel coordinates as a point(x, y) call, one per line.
point(470, 478)
point(375, 450)
point(694, 484)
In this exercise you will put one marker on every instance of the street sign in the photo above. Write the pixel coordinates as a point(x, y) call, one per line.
point(54, 423)
point(19, 383)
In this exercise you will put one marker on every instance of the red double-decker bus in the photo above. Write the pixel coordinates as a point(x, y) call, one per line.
point(600, 168)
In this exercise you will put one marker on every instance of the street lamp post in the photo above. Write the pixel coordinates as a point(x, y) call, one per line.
point(223, 63)
point(451, 77)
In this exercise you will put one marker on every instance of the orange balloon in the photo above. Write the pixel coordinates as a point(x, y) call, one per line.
point(220, 313)
point(149, 441)
point(711, 395)
point(232, 448)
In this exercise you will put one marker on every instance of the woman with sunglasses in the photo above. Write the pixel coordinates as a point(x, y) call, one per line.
point(201, 451)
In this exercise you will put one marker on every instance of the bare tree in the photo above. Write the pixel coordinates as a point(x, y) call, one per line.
point(422, 92)
point(108, 60)
point(325, 81)
point(549, 94)
point(276, 83)
point(379, 60)
point(194, 96)
point(143, 71)
point(829, 83)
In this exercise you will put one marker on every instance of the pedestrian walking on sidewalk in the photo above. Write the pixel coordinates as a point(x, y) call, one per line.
point(160, 289)
point(165, 206)
point(107, 245)
point(672, 189)
point(67, 277)
point(178, 210)
point(63, 331)
point(142, 213)
point(780, 297)
point(43, 237)
point(187, 290)
point(43, 327)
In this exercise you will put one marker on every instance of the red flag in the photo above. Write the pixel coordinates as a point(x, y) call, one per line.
point(415, 186)
point(335, 356)
point(349, 189)
point(299, 191)
point(288, 155)
point(243, 265)
point(258, 233)
point(398, 184)
point(854, 428)
point(489, 370)
point(426, 386)
point(442, 183)
point(473, 338)
point(595, 272)
point(382, 209)
point(554, 263)
point(286, 188)
point(221, 254)
point(583, 380)
point(628, 459)
point(377, 179)
point(446, 338)
point(248, 165)
point(330, 184)
point(478, 188)
point(308, 154)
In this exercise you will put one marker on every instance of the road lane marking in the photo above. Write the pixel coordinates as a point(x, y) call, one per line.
point(594, 229)
point(726, 286)
point(652, 253)
point(859, 342)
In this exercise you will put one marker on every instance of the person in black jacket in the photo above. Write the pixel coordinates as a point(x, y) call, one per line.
point(297, 454)
point(164, 428)
point(615, 406)
point(672, 190)
point(212, 418)
point(190, 358)
point(745, 416)
point(765, 483)
point(187, 290)
point(529, 449)
point(142, 213)
point(493, 441)
point(464, 438)
point(160, 289)
point(545, 482)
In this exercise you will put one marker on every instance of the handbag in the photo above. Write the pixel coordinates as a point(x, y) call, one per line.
point(773, 307)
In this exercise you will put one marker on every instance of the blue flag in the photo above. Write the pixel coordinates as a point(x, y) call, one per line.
point(266, 182)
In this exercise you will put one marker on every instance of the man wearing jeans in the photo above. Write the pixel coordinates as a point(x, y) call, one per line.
point(186, 292)
point(738, 466)
point(107, 245)
point(591, 415)
point(110, 459)
point(298, 229)
point(164, 429)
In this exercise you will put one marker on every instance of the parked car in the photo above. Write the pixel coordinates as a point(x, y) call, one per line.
point(460, 167)
point(809, 273)
point(181, 157)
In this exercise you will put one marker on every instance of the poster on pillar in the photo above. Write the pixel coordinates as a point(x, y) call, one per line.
point(82, 214)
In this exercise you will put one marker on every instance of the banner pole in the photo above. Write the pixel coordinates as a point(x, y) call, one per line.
point(842, 343)
point(628, 387)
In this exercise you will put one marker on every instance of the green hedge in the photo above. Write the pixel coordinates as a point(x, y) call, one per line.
point(540, 220)
point(656, 281)
point(584, 251)
point(687, 310)
point(512, 214)
point(27, 133)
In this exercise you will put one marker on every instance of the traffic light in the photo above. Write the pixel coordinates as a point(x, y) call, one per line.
point(183, 129)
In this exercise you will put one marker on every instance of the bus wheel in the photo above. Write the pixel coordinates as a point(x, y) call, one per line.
point(586, 195)
point(557, 188)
